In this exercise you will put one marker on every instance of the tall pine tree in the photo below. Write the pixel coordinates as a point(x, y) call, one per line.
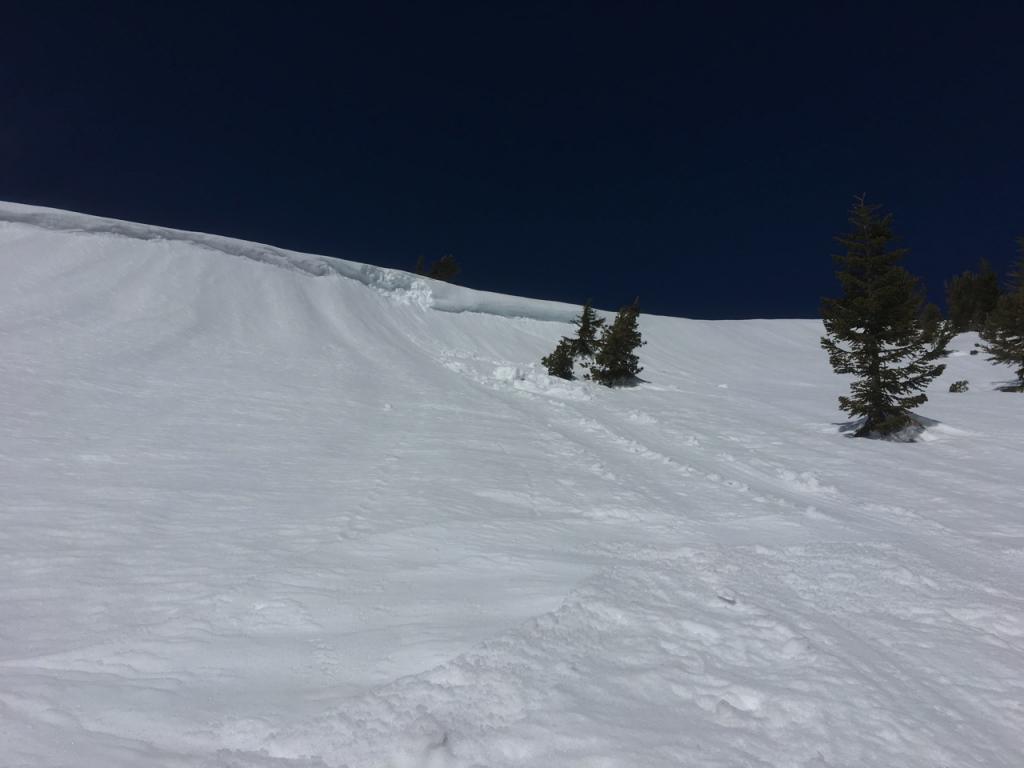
point(931, 322)
point(616, 362)
point(873, 331)
point(971, 296)
point(1016, 281)
point(1003, 335)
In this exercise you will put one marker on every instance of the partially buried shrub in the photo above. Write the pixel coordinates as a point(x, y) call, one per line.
point(958, 386)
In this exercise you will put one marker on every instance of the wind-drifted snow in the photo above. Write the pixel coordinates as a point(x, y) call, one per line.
point(254, 516)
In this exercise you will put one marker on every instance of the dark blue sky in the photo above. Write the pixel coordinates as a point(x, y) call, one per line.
point(702, 157)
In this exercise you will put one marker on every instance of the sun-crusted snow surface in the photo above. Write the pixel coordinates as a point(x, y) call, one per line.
point(266, 509)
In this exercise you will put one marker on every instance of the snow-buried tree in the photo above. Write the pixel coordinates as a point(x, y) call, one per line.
point(874, 330)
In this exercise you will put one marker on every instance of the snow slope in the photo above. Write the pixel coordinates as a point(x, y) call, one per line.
point(259, 508)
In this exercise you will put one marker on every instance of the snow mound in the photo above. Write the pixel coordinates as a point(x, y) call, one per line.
point(261, 508)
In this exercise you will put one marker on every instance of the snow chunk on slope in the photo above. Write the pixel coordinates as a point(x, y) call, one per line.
point(409, 288)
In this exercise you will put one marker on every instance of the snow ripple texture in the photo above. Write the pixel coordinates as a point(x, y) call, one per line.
point(259, 508)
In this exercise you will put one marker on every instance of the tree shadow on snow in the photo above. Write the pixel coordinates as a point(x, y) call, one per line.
point(910, 434)
point(633, 381)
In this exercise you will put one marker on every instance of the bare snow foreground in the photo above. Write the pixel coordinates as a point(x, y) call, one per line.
point(266, 509)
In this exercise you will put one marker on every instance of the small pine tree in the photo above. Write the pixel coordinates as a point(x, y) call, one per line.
point(1003, 335)
point(616, 361)
point(873, 331)
point(445, 268)
point(587, 325)
point(560, 362)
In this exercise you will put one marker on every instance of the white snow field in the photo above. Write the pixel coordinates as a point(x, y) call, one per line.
point(265, 509)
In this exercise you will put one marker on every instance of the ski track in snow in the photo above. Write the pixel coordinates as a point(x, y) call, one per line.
point(332, 515)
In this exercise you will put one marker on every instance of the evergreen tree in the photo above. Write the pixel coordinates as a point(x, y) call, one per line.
point(587, 325)
point(1003, 335)
point(1016, 281)
point(970, 296)
point(932, 324)
point(616, 361)
point(560, 362)
point(986, 295)
point(873, 331)
point(445, 268)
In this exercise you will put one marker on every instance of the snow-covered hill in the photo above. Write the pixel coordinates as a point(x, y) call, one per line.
point(259, 508)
